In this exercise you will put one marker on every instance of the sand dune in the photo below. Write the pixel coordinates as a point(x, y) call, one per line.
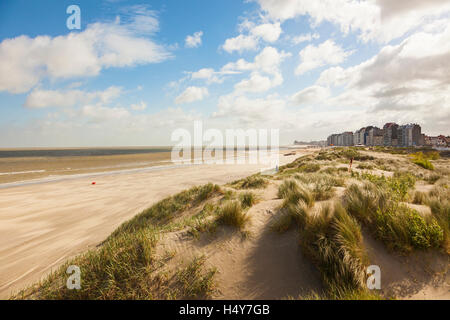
point(42, 225)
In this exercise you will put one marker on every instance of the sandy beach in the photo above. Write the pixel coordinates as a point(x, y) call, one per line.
point(43, 224)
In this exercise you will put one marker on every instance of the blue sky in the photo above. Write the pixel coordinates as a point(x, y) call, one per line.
point(136, 70)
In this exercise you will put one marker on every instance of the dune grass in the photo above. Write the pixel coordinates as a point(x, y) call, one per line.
point(333, 240)
point(195, 280)
point(292, 192)
point(165, 210)
point(439, 202)
point(247, 199)
point(232, 214)
point(251, 182)
point(399, 227)
point(420, 197)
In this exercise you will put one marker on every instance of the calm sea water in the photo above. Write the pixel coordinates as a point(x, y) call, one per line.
point(82, 152)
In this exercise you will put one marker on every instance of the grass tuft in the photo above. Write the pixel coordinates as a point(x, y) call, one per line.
point(231, 214)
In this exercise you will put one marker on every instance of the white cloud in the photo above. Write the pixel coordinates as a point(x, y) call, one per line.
point(327, 53)
point(192, 94)
point(240, 43)
point(39, 98)
point(408, 82)
point(256, 83)
point(195, 40)
point(99, 113)
point(25, 61)
point(139, 106)
point(307, 37)
point(268, 61)
point(380, 20)
point(269, 32)
point(311, 95)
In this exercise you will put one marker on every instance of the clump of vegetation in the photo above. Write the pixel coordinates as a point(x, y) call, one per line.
point(291, 214)
point(399, 184)
point(322, 191)
point(439, 202)
point(309, 167)
point(196, 281)
point(252, 182)
point(432, 178)
point(293, 192)
point(232, 214)
point(317, 178)
point(247, 199)
point(398, 226)
point(120, 269)
point(165, 210)
point(423, 159)
point(364, 166)
point(333, 240)
point(352, 153)
point(420, 197)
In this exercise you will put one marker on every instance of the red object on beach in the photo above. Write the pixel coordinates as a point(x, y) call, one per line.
point(93, 182)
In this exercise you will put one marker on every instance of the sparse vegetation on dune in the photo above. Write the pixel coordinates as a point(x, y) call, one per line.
point(420, 197)
point(125, 266)
point(165, 210)
point(423, 159)
point(398, 226)
point(252, 182)
point(333, 240)
point(195, 280)
point(232, 214)
point(292, 192)
point(247, 199)
point(439, 202)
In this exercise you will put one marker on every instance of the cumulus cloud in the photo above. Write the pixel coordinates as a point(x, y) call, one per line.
point(195, 40)
point(25, 61)
point(268, 32)
point(267, 62)
point(313, 94)
point(380, 20)
point(240, 43)
point(192, 94)
point(327, 53)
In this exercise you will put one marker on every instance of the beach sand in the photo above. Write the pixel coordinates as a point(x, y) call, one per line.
point(42, 225)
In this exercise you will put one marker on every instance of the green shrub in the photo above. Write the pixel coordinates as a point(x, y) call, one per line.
point(423, 160)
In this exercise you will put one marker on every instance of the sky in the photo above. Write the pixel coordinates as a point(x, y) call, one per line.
point(136, 71)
